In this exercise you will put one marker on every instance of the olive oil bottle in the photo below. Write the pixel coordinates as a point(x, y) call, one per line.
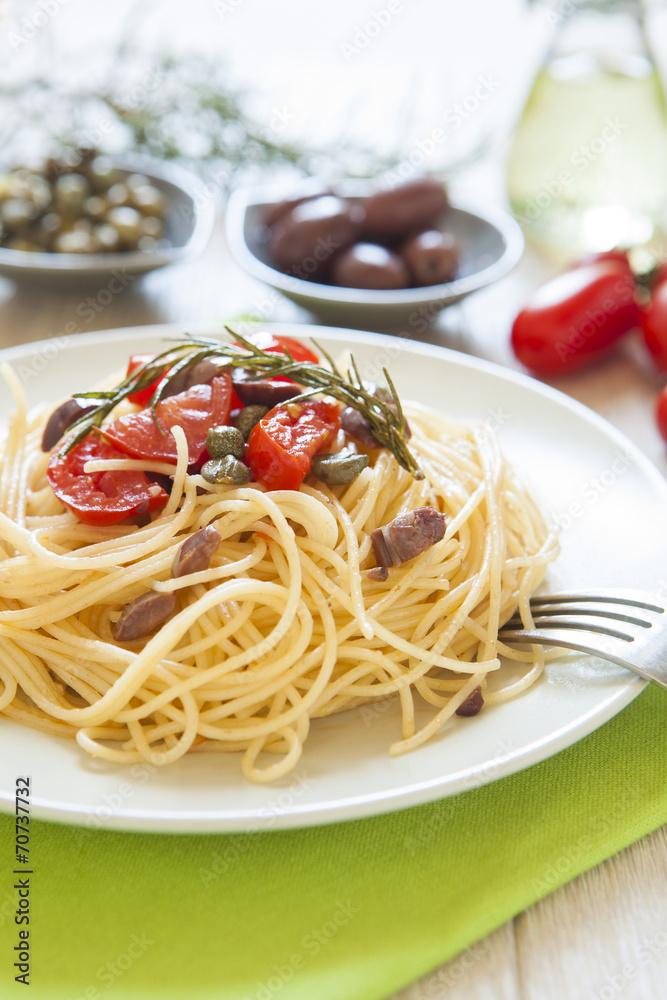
point(587, 167)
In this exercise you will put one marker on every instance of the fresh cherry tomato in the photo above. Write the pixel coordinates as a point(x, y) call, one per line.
point(654, 326)
point(101, 497)
point(278, 344)
point(616, 255)
point(144, 396)
point(661, 412)
point(195, 410)
point(281, 446)
point(573, 319)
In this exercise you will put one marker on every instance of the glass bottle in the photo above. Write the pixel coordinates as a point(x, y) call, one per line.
point(587, 167)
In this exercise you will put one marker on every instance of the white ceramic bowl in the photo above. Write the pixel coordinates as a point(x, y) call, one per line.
point(491, 244)
point(188, 224)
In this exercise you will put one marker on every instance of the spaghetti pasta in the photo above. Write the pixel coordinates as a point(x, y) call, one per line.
point(285, 625)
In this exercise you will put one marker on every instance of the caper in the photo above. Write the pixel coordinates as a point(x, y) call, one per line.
point(95, 207)
point(228, 470)
point(248, 417)
point(224, 440)
point(103, 173)
point(69, 193)
point(127, 223)
point(106, 237)
point(152, 226)
point(17, 212)
point(148, 200)
point(73, 241)
point(118, 195)
point(338, 468)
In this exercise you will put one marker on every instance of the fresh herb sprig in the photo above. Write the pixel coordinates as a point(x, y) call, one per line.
point(383, 413)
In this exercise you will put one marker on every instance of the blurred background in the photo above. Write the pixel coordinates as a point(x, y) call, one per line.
point(550, 110)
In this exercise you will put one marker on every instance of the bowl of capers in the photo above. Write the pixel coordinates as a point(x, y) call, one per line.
point(80, 216)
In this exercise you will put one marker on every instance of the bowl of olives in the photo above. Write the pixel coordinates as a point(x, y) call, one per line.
point(362, 255)
point(77, 218)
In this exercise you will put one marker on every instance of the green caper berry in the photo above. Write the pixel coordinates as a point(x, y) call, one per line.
point(337, 469)
point(226, 470)
point(225, 440)
point(248, 417)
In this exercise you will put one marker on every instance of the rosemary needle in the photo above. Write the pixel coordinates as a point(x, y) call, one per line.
point(382, 413)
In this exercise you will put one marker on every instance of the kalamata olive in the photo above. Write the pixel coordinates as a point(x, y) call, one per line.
point(432, 257)
point(228, 470)
point(368, 265)
point(61, 419)
point(196, 552)
point(199, 373)
point(248, 417)
point(407, 208)
point(274, 212)
point(338, 468)
point(304, 240)
point(69, 193)
point(263, 392)
point(143, 616)
point(225, 440)
point(127, 223)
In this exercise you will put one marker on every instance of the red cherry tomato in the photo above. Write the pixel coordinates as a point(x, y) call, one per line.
point(575, 318)
point(195, 410)
point(616, 255)
point(654, 326)
point(281, 446)
point(144, 396)
point(278, 344)
point(101, 497)
point(661, 412)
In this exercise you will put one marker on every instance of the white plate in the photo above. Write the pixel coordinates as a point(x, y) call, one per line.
point(611, 501)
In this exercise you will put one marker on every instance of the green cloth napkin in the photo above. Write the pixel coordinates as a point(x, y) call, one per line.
point(353, 911)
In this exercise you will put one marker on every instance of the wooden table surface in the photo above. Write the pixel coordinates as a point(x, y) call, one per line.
point(603, 934)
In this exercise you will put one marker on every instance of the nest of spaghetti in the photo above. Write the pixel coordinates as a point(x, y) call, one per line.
point(289, 622)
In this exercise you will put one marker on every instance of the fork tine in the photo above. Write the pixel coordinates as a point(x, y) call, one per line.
point(635, 599)
point(560, 620)
point(544, 611)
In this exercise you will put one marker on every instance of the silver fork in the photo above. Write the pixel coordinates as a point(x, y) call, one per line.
point(626, 626)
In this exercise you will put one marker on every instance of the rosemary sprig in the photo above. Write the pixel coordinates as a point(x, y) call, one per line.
point(383, 413)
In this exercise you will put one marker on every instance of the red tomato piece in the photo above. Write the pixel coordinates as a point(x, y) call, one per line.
point(195, 410)
point(278, 344)
point(654, 326)
point(661, 413)
point(144, 396)
point(101, 497)
point(575, 318)
point(281, 446)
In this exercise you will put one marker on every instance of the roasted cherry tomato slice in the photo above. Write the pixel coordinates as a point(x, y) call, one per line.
point(144, 396)
point(281, 446)
point(195, 410)
point(101, 497)
point(571, 321)
point(654, 326)
point(661, 412)
point(277, 344)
